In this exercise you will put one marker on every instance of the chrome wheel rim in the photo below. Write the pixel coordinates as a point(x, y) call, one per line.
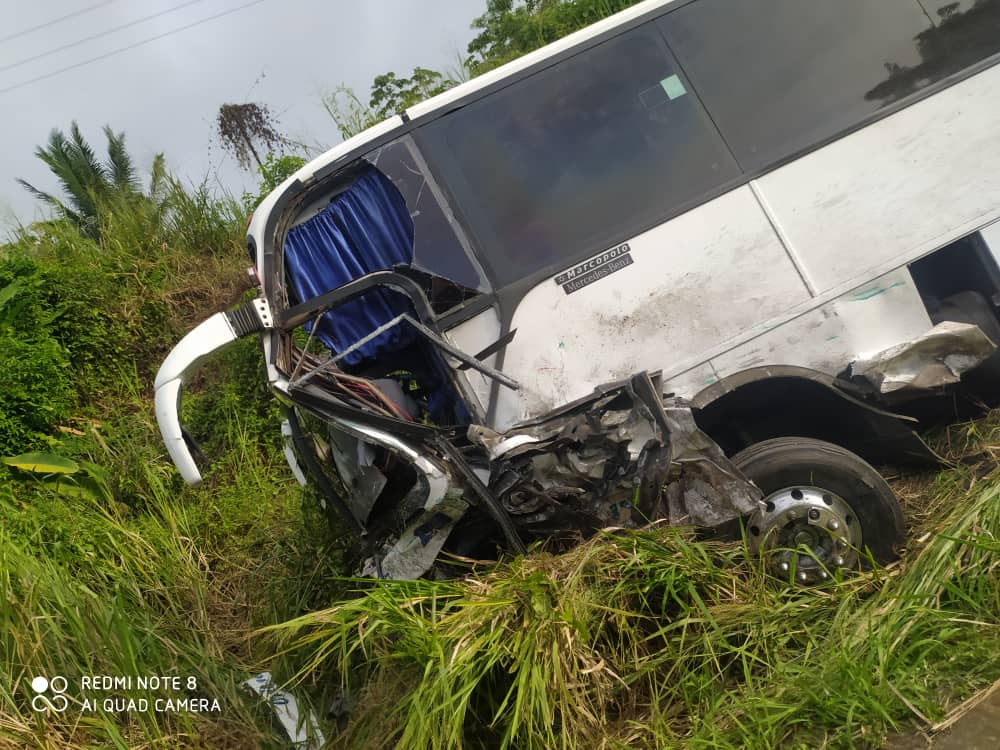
point(805, 533)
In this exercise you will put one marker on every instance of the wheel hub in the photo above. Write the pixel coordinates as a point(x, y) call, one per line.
point(805, 532)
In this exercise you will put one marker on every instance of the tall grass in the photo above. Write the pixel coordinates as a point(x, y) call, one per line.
point(158, 578)
point(167, 580)
point(652, 639)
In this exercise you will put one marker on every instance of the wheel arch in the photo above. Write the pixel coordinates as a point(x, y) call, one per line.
point(787, 401)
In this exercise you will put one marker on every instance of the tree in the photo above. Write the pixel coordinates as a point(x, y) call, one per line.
point(87, 183)
point(389, 96)
point(507, 30)
point(273, 171)
point(245, 128)
point(349, 113)
point(511, 28)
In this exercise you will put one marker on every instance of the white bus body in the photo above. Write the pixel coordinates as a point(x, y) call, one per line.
point(743, 196)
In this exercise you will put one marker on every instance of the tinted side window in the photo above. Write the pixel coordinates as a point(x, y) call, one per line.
point(964, 32)
point(579, 156)
point(780, 75)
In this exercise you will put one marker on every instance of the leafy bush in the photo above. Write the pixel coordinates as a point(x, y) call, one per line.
point(36, 390)
point(112, 563)
point(509, 29)
point(273, 171)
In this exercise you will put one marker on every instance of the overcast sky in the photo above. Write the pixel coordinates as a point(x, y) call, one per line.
point(165, 94)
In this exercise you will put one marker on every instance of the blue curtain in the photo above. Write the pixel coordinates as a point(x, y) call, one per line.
point(366, 228)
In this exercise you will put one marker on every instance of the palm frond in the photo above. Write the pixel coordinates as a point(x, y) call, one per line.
point(120, 169)
point(71, 167)
point(60, 207)
point(159, 180)
point(91, 190)
point(86, 155)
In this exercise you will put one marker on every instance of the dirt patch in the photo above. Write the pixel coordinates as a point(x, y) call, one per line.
point(975, 725)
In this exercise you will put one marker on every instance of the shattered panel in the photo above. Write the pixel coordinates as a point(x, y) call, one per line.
point(618, 459)
point(704, 488)
point(413, 553)
point(937, 358)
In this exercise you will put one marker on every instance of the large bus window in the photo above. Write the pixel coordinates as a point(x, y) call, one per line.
point(782, 75)
point(579, 156)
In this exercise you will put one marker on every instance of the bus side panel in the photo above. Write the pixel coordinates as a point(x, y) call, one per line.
point(692, 283)
point(473, 336)
point(896, 189)
point(877, 315)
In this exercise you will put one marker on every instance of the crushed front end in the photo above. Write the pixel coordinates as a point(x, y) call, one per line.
point(385, 413)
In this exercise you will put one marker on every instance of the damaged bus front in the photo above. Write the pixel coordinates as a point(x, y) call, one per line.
point(621, 280)
point(403, 455)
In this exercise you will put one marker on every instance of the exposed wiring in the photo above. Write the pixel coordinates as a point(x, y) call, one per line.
point(54, 21)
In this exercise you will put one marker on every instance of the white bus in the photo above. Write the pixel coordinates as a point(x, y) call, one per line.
point(778, 217)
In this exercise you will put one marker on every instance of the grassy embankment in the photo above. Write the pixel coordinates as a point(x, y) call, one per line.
point(640, 640)
point(121, 569)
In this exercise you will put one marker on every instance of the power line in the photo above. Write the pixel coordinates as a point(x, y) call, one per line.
point(98, 35)
point(128, 47)
point(54, 21)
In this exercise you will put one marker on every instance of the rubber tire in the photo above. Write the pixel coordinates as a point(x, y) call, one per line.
point(796, 461)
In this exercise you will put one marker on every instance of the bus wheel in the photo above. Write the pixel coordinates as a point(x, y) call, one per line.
point(824, 508)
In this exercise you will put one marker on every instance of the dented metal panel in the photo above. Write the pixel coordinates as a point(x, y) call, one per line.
point(829, 337)
point(936, 358)
point(694, 282)
point(414, 550)
point(620, 457)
